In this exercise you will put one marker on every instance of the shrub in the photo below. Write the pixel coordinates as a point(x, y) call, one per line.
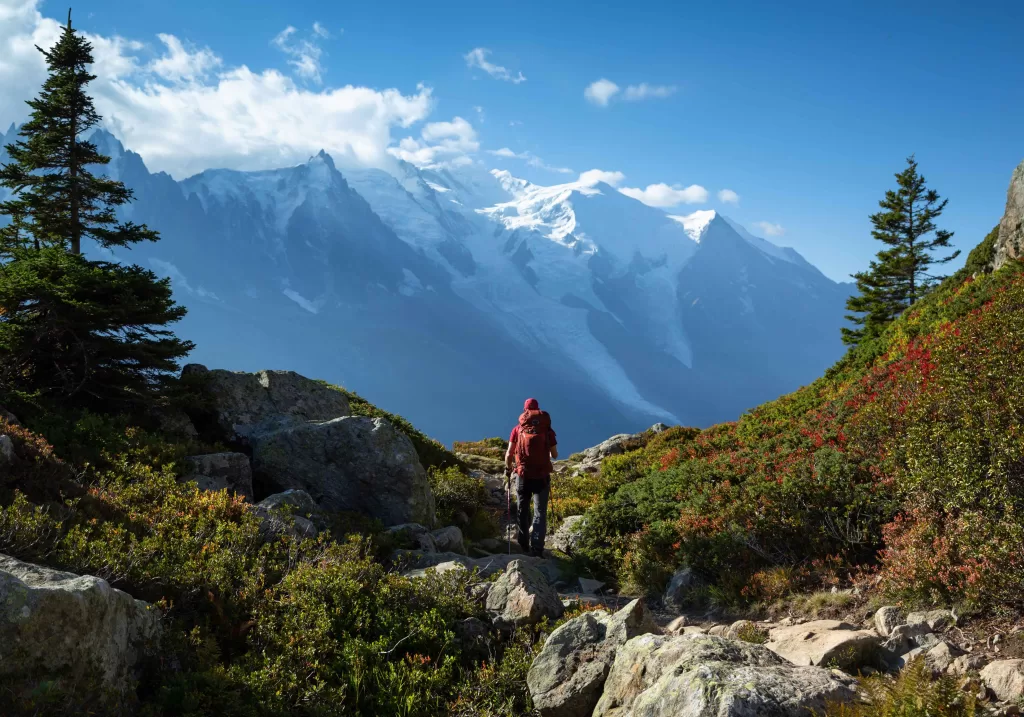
point(912, 694)
point(750, 632)
point(488, 447)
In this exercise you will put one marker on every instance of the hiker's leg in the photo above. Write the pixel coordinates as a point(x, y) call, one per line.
point(523, 496)
point(540, 516)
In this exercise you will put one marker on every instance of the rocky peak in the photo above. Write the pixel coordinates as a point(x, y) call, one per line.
point(1010, 244)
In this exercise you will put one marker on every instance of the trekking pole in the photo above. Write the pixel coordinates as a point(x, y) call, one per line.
point(508, 509)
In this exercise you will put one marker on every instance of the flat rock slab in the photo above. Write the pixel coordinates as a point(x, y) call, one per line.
point(824, 643)
point(707, 676)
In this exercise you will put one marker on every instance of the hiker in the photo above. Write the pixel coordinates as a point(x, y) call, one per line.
point(531, 447)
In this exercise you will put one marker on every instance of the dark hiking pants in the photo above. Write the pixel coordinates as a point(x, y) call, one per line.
point(533, 490)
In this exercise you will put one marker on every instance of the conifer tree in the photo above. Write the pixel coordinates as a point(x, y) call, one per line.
point(75, 330)
point(900, 274)
point(57, 200)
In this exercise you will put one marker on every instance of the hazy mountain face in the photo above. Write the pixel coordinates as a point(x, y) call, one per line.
point(449, 297)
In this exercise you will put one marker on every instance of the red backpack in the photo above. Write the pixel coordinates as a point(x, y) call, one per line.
point(533, 454)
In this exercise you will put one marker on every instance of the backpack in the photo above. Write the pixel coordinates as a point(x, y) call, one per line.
point(533, 454)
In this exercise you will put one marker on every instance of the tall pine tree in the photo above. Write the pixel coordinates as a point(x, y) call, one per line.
point(900, 274)
point(74, 330)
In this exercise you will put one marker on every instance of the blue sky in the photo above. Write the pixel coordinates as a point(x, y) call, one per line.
point(805, 110)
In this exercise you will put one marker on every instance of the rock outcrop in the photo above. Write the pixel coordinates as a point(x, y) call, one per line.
point(248, 403)
point(887, 618)
point(825, 642)
point(522, 596)
point(217, 471)
point(353, 463)
point(568, 676)
point(57, 625)
point(706, 676)
point(1010, 244)
point(683, 582)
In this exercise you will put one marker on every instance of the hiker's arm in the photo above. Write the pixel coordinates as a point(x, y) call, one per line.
point(554, 452)
point(508, 457)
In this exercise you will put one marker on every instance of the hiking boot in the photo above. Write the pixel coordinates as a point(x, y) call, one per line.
point(537, 552)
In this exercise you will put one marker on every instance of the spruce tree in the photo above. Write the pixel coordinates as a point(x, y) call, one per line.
point(57, 200)
point(74, 330)
point(900, 274)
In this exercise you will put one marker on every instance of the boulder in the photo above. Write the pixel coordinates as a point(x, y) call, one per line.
point(705, 676)
point(247, 403)
point(941, 656)
point(57, 625)
point(287, 513)
point(9, 417)
point(354, 463)
point(449, 540)
point(1010, 243)
point(1005, 678)
point(567, 538)
point(7, 454)
point(589, 586)
point(522, 596)
point(497, 545)
point(935, 620)
point(568, 675)
point(733, 633)
point(439, 569)
point(683, 582)
point(824, 643)
point(904, 638)
point(219, 471)
point(418, 535)
point(886, 618)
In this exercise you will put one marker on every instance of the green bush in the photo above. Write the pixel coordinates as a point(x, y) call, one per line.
point(488, 447)
point(913, 693)
point(456, 493)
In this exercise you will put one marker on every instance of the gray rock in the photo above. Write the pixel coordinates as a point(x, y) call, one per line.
point(449, 540)
point(522, 596)
point(247, 403)
point(941, 656)
point(440, 569)
point(7, 454)
point(567, 538)
point(904, 638)
point(936, 620)
point(706, 676)
point(590, 587)
point(357, 464)
point(1010, 244)
point(9, 417)
point(683, 582)
point(658, 428)
point(733, 633)
point(178, 424)
point(1005, 678)
point(57, 625)
point(219, 471)
point(824, 643)
point(497, 545)
point(418, 534)
point(965, 664)
point(886, 618)
point(287, 513)
point(568, 675)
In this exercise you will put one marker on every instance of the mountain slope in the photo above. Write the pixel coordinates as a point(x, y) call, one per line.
point(471, 290)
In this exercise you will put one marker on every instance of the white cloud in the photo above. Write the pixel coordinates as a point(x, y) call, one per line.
point(770, 229)
point(504, 152)
point(595, 176)
point(183, 65)
point(662, 195)
point(644, 91)
point(305, 53)
point(477, 57)
point(440, 144)
point(727, 196)
point(530, 158)
point(601, 92)
point(185, 111)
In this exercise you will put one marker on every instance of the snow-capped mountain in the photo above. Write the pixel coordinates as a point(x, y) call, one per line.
point(451, 295)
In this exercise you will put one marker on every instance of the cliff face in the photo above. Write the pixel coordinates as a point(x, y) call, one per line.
point(1010, 244)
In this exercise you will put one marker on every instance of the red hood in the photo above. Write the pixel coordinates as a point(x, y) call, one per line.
point(531, 405)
